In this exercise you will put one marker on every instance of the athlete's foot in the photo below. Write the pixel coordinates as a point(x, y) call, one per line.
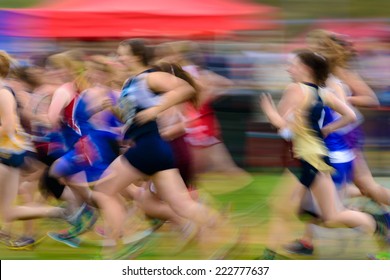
point(383, 229)
point(5, 238)
point(84, 222)
point(22, 243)
point(299, 247)
point(187, 235)
point(64, 238)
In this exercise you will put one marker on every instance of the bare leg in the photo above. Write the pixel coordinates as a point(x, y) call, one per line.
point(172, 190)
point(284, 203)
point(364, 180)
point(155, 207)
point(324, 192)
point(9, 188)
point(117, 177)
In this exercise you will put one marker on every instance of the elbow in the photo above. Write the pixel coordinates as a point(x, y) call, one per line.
point(375, 102)
point(189, 93)
point(52, 122)
point(352, 118)
point(371, 102)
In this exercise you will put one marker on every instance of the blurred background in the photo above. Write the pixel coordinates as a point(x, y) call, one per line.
point(245, 41)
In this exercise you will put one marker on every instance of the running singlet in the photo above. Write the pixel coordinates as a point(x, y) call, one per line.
point(308, 143)
point(13, 147)
point(135, 97)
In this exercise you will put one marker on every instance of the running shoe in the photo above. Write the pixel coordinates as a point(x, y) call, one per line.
point(4, 238)
point(73, 242)
point(22, 243)
point(299, 247)
point(383, 226)
point(83, 223)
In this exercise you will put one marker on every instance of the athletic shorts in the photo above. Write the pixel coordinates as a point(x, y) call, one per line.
point(343, 174)
point(355, 138)
point(306, 173)
point(151, 154)
point(13, 159)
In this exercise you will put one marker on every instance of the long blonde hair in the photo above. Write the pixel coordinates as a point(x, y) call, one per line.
point(72, 61)
point(5, 64)
point(333, 47)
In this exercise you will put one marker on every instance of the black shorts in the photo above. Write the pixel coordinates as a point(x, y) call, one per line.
point(151, 154)
point(15, 159)
point(306, 173)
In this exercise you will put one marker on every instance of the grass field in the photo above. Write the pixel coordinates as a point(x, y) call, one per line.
point(248, 210)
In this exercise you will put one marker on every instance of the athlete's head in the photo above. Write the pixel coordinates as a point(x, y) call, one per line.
point(133, 53)
point(308, 66)
point(337, 50)
point(66, 66)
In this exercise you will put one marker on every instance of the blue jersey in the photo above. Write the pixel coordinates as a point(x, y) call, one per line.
point(94, 151)
point(339, 150)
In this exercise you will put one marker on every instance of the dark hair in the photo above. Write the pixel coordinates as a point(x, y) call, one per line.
point(25, 74)
point(139, 48)
point(317, 63)
point(178, 71)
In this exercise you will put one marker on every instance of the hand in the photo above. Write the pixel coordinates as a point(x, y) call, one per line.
point(147, 115)
point(106, 104)
point(325, 131)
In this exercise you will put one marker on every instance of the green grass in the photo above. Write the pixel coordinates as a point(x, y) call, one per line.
point(247, 205)
point(249, 211)
point(19, 3)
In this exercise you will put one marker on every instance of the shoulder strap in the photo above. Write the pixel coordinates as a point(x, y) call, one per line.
point(10, 90)
point(14, 94)
point(129, 81)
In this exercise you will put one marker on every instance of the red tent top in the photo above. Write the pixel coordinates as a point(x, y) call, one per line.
point(166, 7)
point(120, 18)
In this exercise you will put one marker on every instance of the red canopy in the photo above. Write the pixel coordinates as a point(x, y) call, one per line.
point(126, 18)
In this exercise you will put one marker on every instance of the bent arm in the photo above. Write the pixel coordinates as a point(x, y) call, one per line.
point(363, 95)
point(175, 90)
point(60, 100)
point(347, 114)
